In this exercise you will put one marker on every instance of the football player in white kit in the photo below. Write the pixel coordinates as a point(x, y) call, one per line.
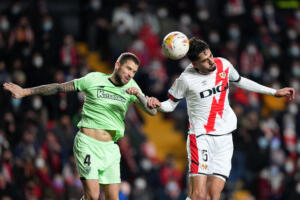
point(205, 85)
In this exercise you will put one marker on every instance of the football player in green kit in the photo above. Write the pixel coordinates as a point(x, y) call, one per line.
point(107, 98)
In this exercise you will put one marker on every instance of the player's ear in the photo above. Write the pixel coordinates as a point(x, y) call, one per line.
point(117, 65)
point(194, 63)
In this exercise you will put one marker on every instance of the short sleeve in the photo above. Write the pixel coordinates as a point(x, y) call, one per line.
point(178, 89)
point(82, 83)
point(234, 76)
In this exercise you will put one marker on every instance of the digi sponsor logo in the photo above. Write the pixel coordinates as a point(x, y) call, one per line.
point(214, 90)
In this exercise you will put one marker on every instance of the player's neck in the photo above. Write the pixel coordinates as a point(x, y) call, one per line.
point(201, 72)
point(114, 80)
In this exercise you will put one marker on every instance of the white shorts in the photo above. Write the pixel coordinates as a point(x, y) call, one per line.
point(210, 155)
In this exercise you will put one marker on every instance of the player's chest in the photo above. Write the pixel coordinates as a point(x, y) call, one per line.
point(205, 88)
point(109, 94)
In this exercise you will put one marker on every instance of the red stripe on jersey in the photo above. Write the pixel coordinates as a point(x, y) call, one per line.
point(194, 154)
point(171, 97)
point(217, 107)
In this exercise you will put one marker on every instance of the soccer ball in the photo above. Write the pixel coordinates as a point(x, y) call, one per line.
point(175, 45)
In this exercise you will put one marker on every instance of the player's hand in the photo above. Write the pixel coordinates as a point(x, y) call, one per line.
point(153, 102)
point(16, 91)
point(133, 91)
point(286, 92)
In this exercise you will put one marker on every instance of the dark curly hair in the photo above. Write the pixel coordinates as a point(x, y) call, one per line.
point(196, 46)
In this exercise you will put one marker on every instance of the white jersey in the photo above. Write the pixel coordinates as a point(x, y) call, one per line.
point(207, 98)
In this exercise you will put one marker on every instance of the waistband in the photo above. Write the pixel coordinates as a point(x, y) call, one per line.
point(214, 135)
point(80, 134)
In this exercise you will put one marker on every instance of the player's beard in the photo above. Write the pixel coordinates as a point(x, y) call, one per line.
point(207, 70)
point(119, 79)
point(212, 69)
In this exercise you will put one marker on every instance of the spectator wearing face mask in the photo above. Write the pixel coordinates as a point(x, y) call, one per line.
point(252, 61)
point(294, 50)
point(4, 33)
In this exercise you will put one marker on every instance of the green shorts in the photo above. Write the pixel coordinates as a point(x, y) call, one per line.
point(96, 159)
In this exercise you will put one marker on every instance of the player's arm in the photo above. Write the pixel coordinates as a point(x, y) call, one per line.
point(142, 101)
point(49, 89)
point(252, 86)
point(165, 106)
point(175, 94)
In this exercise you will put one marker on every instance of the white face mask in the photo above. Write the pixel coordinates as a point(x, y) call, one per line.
point(234, 33)
point(292, 34)
point(185, 20)
point(257, 13)
point(146, 164)
point(274, 171)
point(294, 51)
point(96, 4)
point(251, 49)
point(296, 70)
point(47, 26)
point(16, 10)
point(1, 139)
point(40, 163)
point(203, 15)
point(162, 13)
point(214, 38)
point(269, 9)
point(140, 183)
point(4, 25)
point(298, 188)
point(274, 71)
point(274, 51)
point(289, 167)
point(37, 103)
point(263, 143)
point(297, 15)
point(295, 84)
point(292, 108)
point(38, 61)
point(275, 144)
point(276, 86)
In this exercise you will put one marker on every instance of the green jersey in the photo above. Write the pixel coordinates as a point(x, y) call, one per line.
point(105, 104)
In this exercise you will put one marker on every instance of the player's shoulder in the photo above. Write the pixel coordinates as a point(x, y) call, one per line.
point(132, 83)
point(189, 70)
point(96, 75)
point(185, 74)
point(225, 61)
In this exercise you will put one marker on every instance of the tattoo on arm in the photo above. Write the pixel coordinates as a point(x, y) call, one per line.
point(53, 88)
point(143, 103)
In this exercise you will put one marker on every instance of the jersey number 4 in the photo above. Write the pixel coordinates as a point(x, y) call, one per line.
point(87, 159)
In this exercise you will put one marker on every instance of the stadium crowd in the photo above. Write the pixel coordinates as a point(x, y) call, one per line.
point(260, 38)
